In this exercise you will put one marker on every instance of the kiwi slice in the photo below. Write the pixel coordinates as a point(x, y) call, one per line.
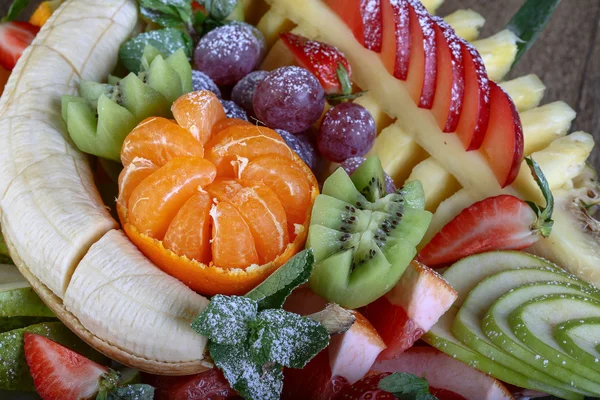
point(364, 238)
point(112, 79)
point(140, 99)
point(164, 79)
point(91, 91)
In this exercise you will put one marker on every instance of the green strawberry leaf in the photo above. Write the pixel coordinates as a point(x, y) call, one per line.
point(406, 386)
point(218, 9)
point(251, 380)
point(167, 13)
point(166, 41)
point(544, 221)
point(225, 319)
point(14, 10)
point(286, 338)
point(529, 22)
point(273, 292)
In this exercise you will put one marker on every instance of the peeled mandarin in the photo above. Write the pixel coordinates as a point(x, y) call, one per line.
point(198, 112)
point(189, 233)
point(244, 141)
point(226, 123)
point(157, 199)
point(287, 181)
point(131, 176)
point(232, 244)
point(159, 140)
point(223, 189)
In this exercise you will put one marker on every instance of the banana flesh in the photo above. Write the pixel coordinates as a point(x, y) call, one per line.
point(58, 230)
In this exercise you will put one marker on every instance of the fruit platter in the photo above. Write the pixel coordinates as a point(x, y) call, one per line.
point(283, 199)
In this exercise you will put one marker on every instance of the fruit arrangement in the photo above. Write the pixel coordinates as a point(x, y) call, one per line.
point(277, 199)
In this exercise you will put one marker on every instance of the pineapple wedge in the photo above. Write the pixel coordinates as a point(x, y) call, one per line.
point(398, 152)
point(466, 23)
point(498, 53)
point(271, 24)
point(381, 118)
point(438, 183)
point(542, 125)
point(526, 91)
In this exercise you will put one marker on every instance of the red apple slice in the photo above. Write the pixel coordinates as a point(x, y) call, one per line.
point(475, 112)
point(346, 360)
point(445, 372)
point(422, 68)
point(364, 18)
point(395, 46)
point(410, 309)
point(450, 88)
point(503, 144)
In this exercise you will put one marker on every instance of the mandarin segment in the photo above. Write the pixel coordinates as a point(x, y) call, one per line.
point(223, 189)
point(226, 123)
point(244, 141)
point(131, 176)
point(198, 112)
point(158, 139)
point(189, 233)
point(157, 199)
point(233, 245)
point(286, 180)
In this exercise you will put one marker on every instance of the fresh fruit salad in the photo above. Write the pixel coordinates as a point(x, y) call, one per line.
point(282, 199)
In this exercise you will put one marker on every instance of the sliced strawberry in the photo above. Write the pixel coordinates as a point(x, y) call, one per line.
point(59, 373)
point(448, 378)
point(395, 46)
point(475, 112)
point(503, 144)
point(410, 309)
point(367, 388)
point(14, 38)
point(422, 68)
point(450, 89)
point(210, 384)
point(364, 19)
point(319, 58)
point(497, 223)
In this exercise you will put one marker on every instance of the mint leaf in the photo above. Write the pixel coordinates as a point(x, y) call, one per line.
point(167, 13)
point(225, 319)
point(251, 380)
point(219, 9)
point(15, 9)
point(286, 338)
point(132, 392)
point(529, 22)
point(406, 386)
point(166, 41)
point(273, 292)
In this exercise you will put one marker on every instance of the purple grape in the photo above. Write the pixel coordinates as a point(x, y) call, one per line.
point(303, 148)
point(243, 91)
point(351, 164)
point(232, 110)
point(201, 81)
point(289, 98)
point(348, 130)
point(228, 53)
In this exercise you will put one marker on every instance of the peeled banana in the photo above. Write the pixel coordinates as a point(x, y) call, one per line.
point(57, 229)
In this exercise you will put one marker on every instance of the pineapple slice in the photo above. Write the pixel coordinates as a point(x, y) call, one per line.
point(398, 152)
point(498, 53)
point(466, 23)
point(381, 118)
point(526, 91)
point(437, 182)
point(271, 25)
point(542, 125)
point(432, 5)
point(280, 55)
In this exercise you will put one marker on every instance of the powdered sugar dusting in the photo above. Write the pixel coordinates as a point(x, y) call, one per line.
point(370, 11)
point(201, 81)
point(243, 91)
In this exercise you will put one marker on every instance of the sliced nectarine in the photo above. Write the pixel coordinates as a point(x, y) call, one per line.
point(395, 45)
point(363, 17)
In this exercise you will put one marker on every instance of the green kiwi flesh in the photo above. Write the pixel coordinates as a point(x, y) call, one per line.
point(363, 238)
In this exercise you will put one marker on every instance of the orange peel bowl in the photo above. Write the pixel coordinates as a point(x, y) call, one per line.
point(179, 170)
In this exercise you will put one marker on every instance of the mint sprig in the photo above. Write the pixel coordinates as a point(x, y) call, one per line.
point(167, 13)
point(225, 320)
point(273, 292)
point(14, 10)
point(406, 386)
point(218, 9)
point(110, 389)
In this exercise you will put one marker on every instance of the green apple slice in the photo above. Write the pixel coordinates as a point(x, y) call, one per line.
point(497, 329)
point(467, 324)
point(441, 338)
point(580, 339)
point(465, 274)
point(533, 322)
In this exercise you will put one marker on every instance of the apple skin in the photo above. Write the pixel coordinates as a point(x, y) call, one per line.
point(364, 19)
point(450, 89)
point(503, 144)
point(475, 114)
point(445, 372)
point(346, 360)
point(410, 309)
